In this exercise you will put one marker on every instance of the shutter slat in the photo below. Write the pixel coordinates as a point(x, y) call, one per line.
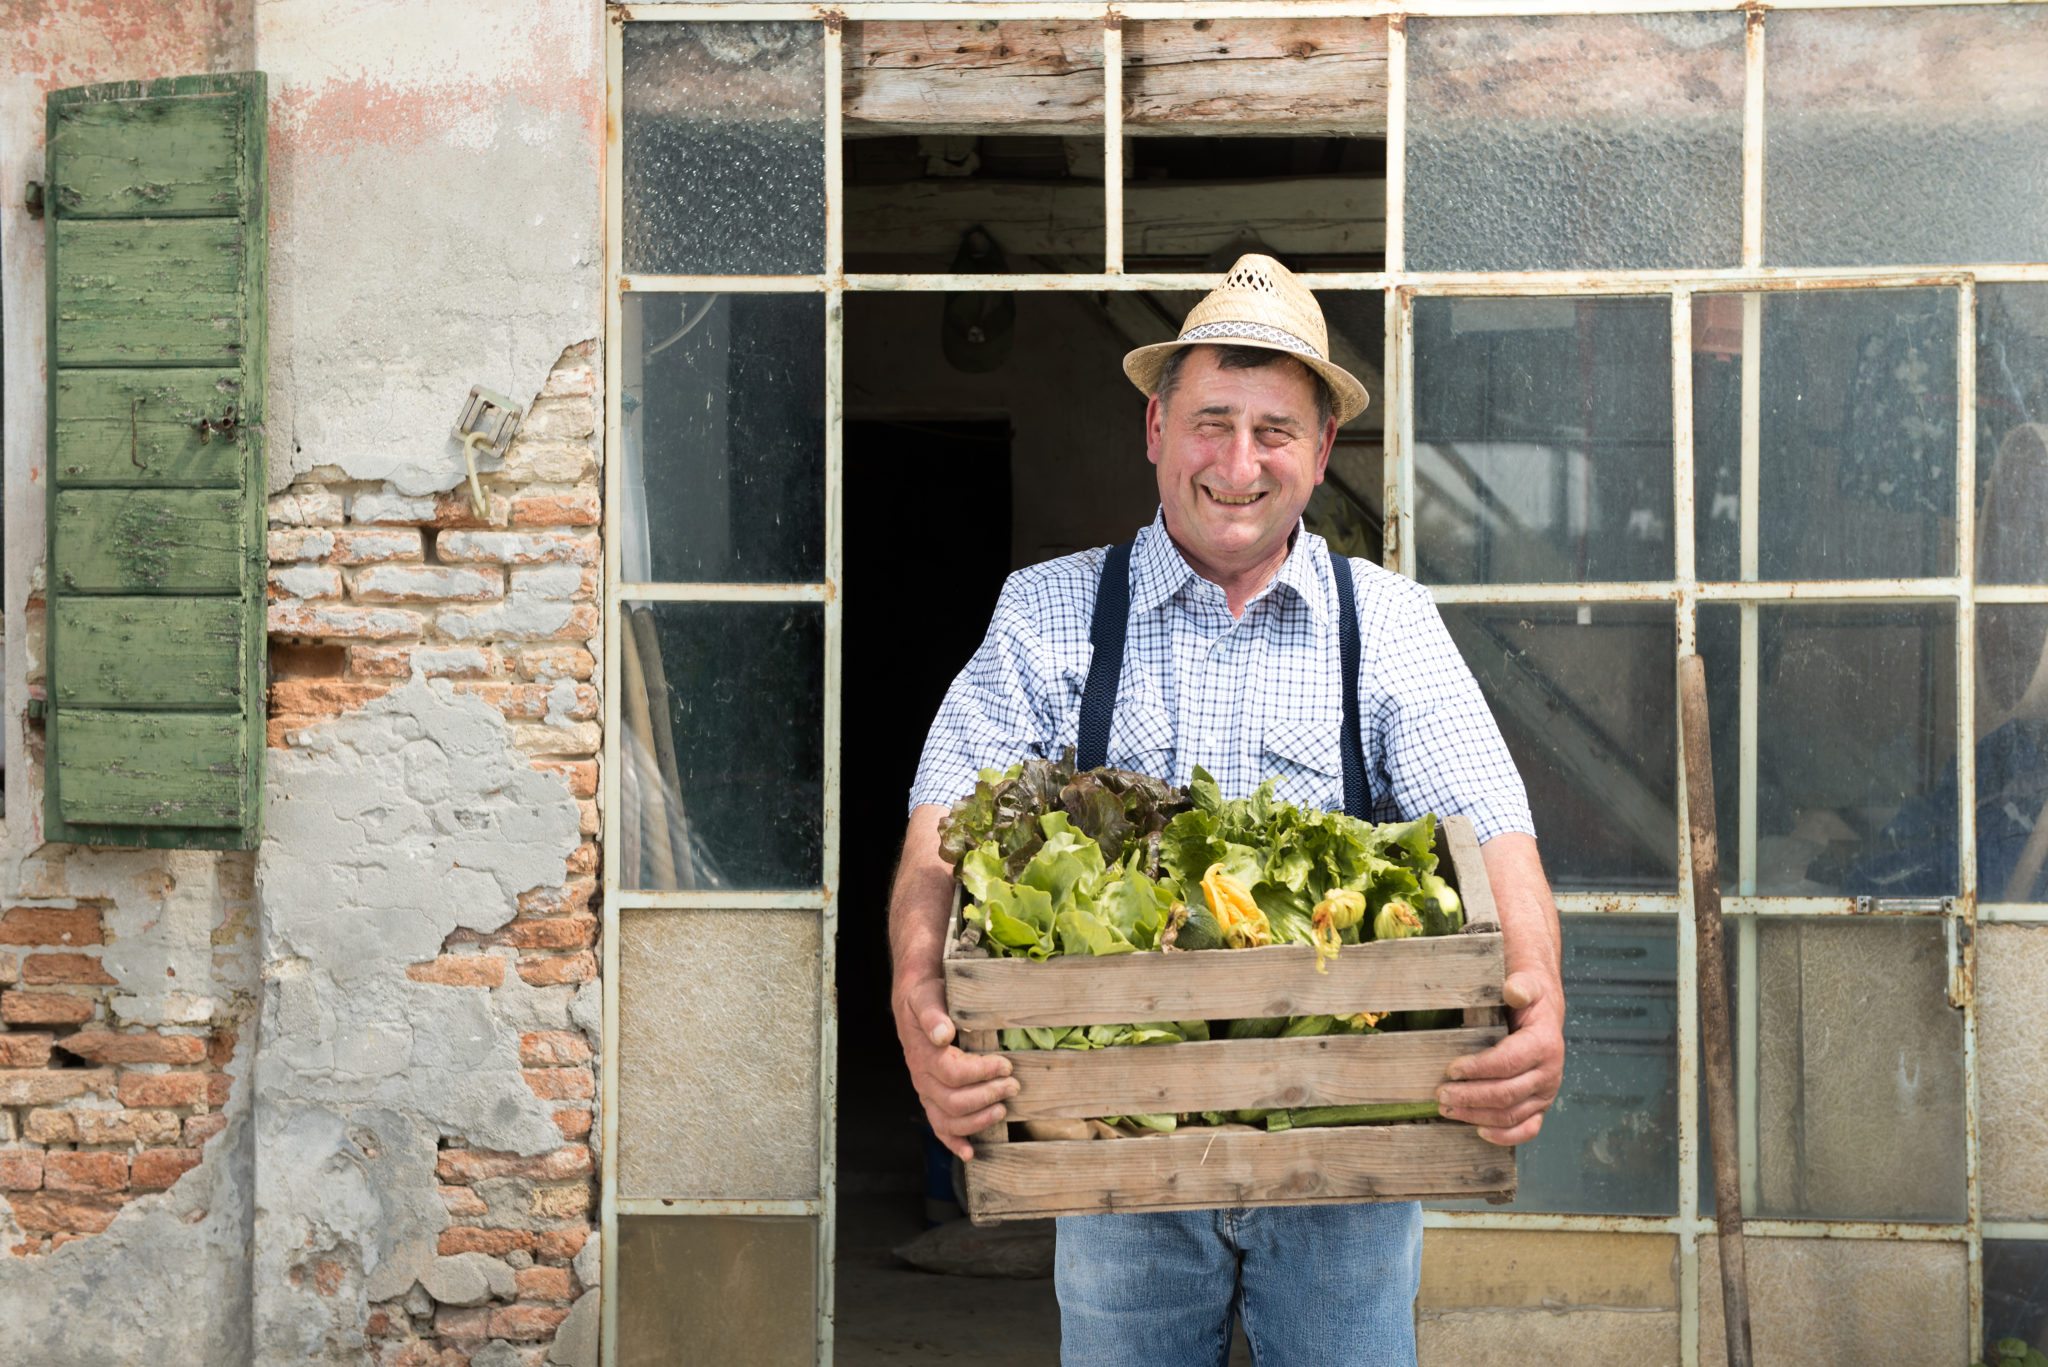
point(153, 768)
point(141, 427)
point(149, 291)
point(192, 646)
point(151, 158)
point(148, 541)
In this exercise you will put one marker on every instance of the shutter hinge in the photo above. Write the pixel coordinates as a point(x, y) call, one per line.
point(34, 201)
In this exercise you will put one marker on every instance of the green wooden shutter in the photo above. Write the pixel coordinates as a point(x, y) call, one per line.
point(155, 200)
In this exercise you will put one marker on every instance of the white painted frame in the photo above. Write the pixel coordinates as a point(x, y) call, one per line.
point(1684, 590)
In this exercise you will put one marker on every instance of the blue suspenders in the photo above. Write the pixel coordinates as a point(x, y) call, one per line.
point(1105, 668)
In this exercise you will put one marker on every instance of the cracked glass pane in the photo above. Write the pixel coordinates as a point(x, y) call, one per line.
point(718, 1053)
point(1856, 433)
point(1587, 700)
point(1861, 105)
point(722, 747)
point(2012, 752)
point(1610, 1143)
point(724, 148)
point(723, 432)
point(2012, 434)
point(1855, 762)
point(1542, 440)
point(1572, 142)
point(736, 1291)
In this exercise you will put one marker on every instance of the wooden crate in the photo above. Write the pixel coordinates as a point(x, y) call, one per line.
point(1205, 1167)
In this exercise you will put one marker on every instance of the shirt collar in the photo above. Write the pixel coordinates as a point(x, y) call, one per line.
point(1159, 570)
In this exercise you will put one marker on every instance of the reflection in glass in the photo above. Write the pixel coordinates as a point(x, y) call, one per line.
point(1610, 1143)
point(1855, 764)
point(724, 149)
point(1586, 698)
point(718, 1052)
point(2016, 1291)
point(2012, 434)
point(1856, 434)
point(723, 402)
point(1571, 142)
point(2012, 752)
point(1906, 135)
point(736, 1291)
point(1542, 440)
point(721, 755)
point(975, 205)
point(1859, 1071)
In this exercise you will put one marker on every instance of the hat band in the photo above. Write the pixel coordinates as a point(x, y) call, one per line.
point(1276, 336)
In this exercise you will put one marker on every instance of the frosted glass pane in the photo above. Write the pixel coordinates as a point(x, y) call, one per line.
point(1843, 1302)
point(718, 1053)
point(1856, 434)
point(1554, 143)
point(2012, 434)
point(2012, 1039)
point(1587, 700)
point(724, 434)
point(724, 153)
point(717, 1290)
point(1610, 1142)
point(722, 751)
point(1899, 136)
point(1859, 1072)
point(1542, 440)
point(2012, 752)
point(1855, 758)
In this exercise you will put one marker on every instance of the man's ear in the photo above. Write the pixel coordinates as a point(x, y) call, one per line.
point(1329, 445)
point(1155, 427)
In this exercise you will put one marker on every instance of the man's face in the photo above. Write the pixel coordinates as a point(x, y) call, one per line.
point(1238, 453)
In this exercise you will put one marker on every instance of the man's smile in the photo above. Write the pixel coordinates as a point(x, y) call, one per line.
point(1233, 500)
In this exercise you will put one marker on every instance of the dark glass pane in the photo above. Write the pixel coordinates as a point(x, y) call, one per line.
point(2012, 752)
point(2016, 1291)
point(2012, 434)
point(736, 1291)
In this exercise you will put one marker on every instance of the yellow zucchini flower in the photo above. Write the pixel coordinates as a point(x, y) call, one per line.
point(1244, 925)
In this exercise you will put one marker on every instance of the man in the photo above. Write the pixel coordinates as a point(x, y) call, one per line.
point(1232, 661)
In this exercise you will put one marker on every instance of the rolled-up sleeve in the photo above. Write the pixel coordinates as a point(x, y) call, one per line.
point(1004, 706)
point(1437, 744)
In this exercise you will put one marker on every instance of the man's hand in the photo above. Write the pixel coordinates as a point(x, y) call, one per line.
point(1506, 1089)
point(962, 1093)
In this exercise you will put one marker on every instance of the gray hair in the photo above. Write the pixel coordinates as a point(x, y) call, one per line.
point(1233, 357)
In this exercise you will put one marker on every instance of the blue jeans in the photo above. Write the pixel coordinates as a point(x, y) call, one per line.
point(1316, 1286)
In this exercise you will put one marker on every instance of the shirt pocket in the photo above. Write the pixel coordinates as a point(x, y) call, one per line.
point(1303, 754)
point(1141, 739)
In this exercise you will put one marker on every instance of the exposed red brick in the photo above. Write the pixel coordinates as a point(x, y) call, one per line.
point(561, 1084)
point(77, 1170)
point(46, 1126)
point(558, 932)
point(41, 1086)
point(322, 697)
point(525, 1323)
point(45, 1008)
point(53, 1213)
point(219, 1086)
point(47, 969)
point(200, 1128)
point(584, 860)
point(545, 1284)
point(557, 662)
point(21, 1169)
point(155, 1169)
point(370, 622)
point(579, 509)
point(163, 1089)
point(459, 970)
point(50, 926)
point(24, 1049)
point(559, 1244)
point(496, 1242)
point(463, 1323)
point(308, 661)
point(579, 774)
point(542, 970)
point(477, 1165)
point(351, 546)
point(384, 1324)
point(573, 1124)
point(421, 1353)
point(541, 1048)
point(517, 548)
point(380, 662)
point(109, 1046)
point(10, 968)
point(462, 1203)
point(572, 895)
point(220, 1047)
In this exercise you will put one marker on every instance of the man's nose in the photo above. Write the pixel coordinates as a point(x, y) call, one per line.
point(1240, 462)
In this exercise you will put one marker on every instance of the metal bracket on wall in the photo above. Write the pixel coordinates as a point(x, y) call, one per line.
point(488, 421)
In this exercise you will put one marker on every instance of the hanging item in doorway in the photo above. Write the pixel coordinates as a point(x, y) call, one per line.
point(978, 326)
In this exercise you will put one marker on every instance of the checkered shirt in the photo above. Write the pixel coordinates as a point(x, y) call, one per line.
point(1247, 699)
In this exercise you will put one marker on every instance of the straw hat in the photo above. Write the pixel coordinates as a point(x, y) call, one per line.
point(1259, 304)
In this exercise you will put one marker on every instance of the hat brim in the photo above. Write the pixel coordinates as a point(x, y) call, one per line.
point(1144, 365)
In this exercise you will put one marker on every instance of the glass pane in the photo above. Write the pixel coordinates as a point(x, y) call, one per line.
point(1860, 1073)
point(1843, 1301)
point(1610, 1143)
point(2016, 1291)
point(739, 1292)
point(1855, 755)
point(1906, 135)
point(2012, 752)
point(1554, 143)
point(1587, 699)
point(977, 205)
point(723, 403)
point(2012, 434)
point(721, 757)
point(718, 1053)
point(724, 154)
point(1856, 431)
point(2012, 1039)
point(1542, 440)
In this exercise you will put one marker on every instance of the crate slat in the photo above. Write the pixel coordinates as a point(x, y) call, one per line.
point(1226, 984)
point(1231, 1075)
point(1205, 1169)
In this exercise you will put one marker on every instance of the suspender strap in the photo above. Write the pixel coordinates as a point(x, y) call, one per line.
point(1357, 801)
point(1106, 665)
